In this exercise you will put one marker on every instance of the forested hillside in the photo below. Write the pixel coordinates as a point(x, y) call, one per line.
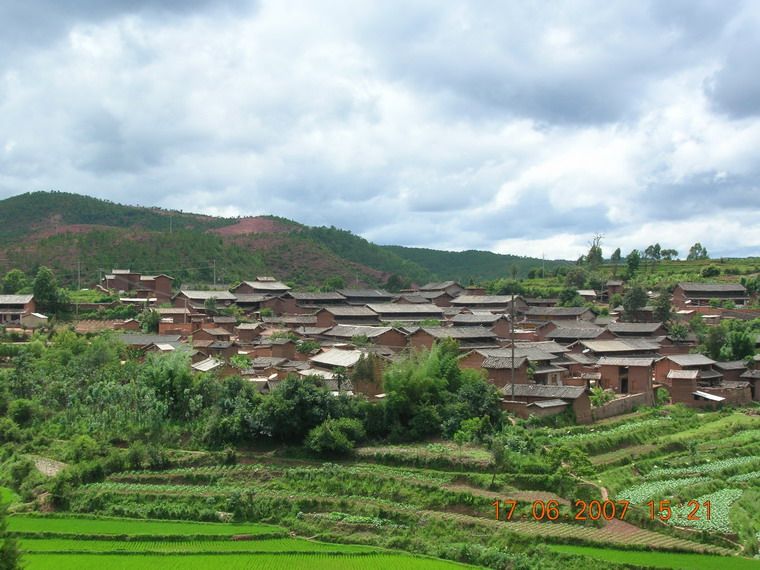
point(470, 265)
point(80, 237)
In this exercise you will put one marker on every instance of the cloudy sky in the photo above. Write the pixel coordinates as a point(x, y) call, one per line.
point(519, 127)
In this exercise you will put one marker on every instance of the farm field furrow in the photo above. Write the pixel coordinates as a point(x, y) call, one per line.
point(677, 561)
point(235, 562)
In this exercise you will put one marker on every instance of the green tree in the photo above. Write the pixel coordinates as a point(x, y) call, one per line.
point(615, 261)
point(634, 300)
point(569, 297)
point(669, 254)
point(594, 256)
point(632, 262)
point(10, 556)
point(48, 297)
point(335, 436)
point(697, 252)
point(14, 281)
point(210, 306)
point(662, 307)
point(678, 331)
point(333, 283)
point(149, 320)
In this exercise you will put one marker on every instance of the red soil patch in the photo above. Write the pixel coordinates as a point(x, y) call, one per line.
point(56, 228)
point(254, 225)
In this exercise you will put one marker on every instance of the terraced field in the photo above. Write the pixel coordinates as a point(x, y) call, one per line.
point(144, 544)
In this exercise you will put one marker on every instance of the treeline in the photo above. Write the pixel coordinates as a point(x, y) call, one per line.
point(472, 265)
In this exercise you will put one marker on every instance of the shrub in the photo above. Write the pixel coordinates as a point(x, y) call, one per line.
point(335, 437)
point(22, 411)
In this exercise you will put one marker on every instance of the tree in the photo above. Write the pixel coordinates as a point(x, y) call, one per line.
point(669, 254)
point(14, 281)
point(149, 320)
point(335, 436)
point(594, 256)
point(47, 296)
point(662, 307)
point(634, 300)
point(615, 260)
point(10, 556)
point(334, 283)
point(632, 262)
point(210, 306)
point(569, 297)
point(678, 331)
point(697, 252)
point(576, 277)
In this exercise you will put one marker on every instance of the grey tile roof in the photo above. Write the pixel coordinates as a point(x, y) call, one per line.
point(544, 391)
point(690, 287)
point(634, 328)
point(622, 361)
point(691, 359)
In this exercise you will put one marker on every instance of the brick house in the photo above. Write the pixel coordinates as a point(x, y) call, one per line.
point(346, 315)
point(261, 285)
point(546, 400)
point(479, 336)
point(493, 303)
point(626, 375)
point(13, 307)
point(687, 295)
point(497, 323)
point(381, 336)
point(389, 312)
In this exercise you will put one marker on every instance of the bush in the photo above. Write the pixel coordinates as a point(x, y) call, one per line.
point(9, 431)
point(22, 411)
point(335, 437)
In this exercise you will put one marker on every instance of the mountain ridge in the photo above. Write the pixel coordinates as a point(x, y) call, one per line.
point(81, 236)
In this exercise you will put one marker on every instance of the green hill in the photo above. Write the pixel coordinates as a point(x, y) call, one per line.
point(80, 235)
point(471, 264)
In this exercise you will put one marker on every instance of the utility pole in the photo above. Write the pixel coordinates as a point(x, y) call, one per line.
point(79, 285)
point(543, 269)
point(214, 272)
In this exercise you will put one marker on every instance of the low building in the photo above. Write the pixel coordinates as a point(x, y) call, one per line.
point(687, 295)
point(263, 285)
point(346, 315)
point(424, 337)
point(534, 399)
point(559, 313)
point(392, 312)
point(493, 303)
point(381, 336)
point(13, 307)
point(626, 375)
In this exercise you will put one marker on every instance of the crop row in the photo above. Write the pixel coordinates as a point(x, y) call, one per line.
point(703, 468)
point(331, 561)
point(720, 508)
point(193, 546)
point(639, 494)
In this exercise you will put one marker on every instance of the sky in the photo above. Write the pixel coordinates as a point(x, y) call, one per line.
point(516, 127)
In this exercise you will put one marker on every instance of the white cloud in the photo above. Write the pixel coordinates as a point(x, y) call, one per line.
point(523, 129)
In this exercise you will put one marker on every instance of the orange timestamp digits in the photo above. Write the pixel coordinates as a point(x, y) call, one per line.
point(663, 511)
point(549, 510)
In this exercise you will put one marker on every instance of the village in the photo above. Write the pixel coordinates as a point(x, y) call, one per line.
point(545, 359)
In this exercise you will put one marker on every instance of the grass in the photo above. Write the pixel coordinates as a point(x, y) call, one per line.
point(187, 546)
point(131, 527)
point(661, 559)
point(8, 496)
point(235, 562)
